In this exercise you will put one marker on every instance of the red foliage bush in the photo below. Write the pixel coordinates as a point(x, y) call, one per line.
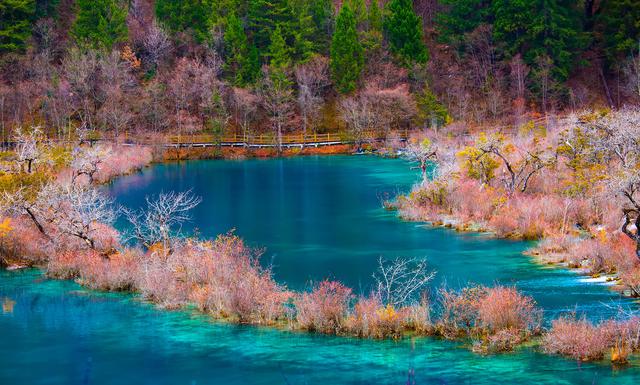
point(123, 160)
point(459, 311)
point(371, 319)
point(25, 243)
point(504, 308)
point(325, 308)
point(480, 310)
point(222, 277)
point(578, 339)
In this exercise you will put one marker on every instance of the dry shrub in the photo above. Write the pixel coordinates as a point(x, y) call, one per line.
point(504, 308)
point(459, 311)
point(123, 160)
point(504, 340)
point(64, 265)
point(371, 319)
point(325, 308)
point(116, 272)
point(24, 243)
point(576, 338)
point(418, 318)
point(470, 200)
point(631, 279)
point(602, 254)
point(485, 312)
point(223, 277)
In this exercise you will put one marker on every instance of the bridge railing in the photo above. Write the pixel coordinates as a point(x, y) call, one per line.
point(271, 139)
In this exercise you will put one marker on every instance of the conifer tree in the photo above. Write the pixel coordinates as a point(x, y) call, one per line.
point(264, 15)
point(619, 27)
point(188, 15)
point(304, 31)
point(540, 29)
point(46, 8)
point(100, 23)
point(404, 32)
point(347, 58)
point(359, 9)
point(460, 17)
point(15, 24)
point(373, 37)
point(279, 51)
point(241, 58)
point(322, 15)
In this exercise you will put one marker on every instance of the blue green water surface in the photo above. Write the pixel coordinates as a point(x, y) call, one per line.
point(316, 217)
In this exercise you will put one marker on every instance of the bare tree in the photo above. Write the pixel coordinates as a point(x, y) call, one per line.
point(277, 98)
point(421, 152)
point(357, 113)
point(80, 71)
point(22, 202)
point(312, 77)
point(86, 162)
point(245, 105)
point(632, 73)
point(398, 282)
point(156, 46)
point(75, 210)
point(521, 162)
point(28, 152)
point(162, 219)
point(391, 107)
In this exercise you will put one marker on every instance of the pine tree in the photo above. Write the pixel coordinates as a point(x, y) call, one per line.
point(239, 61)
point(460, 17)
point(15, 24)
point(322, 15)
point(404, 32)
point(538, 29)
point(347, 58)
point(195, 16)
point(100, 24)
point(279, 51)
point(359, 9)
point(46, 8)
point(619, 27)
point(264, 15)
point(374, 36)
point(304, 30)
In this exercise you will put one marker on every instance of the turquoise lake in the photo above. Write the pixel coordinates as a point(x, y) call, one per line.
point(316, 218)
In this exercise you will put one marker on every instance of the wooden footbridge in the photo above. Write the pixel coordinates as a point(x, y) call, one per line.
point(261, 141)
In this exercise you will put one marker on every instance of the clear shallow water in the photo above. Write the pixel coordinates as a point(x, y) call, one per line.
point(317, 218)
point(57, 333)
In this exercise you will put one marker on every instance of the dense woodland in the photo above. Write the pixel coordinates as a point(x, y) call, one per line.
point(248, 66)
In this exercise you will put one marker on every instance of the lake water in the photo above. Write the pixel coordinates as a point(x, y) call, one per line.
point(316, 217)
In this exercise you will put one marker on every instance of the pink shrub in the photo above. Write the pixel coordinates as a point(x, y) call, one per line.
point(222, 277)
point(504, 340)
point(631, 279)
point(371, 319)
point(123, 160)
point(504, 308)
point(64, 265)
point(459, 311)
point(473, 201)
point(25, 243)
point(116, 272)
point(325, 308)
point(578, 339)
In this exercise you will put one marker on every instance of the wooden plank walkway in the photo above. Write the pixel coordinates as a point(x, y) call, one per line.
point(262, 141)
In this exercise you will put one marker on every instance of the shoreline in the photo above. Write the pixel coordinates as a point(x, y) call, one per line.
point(469, 338)
point(613, 281)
